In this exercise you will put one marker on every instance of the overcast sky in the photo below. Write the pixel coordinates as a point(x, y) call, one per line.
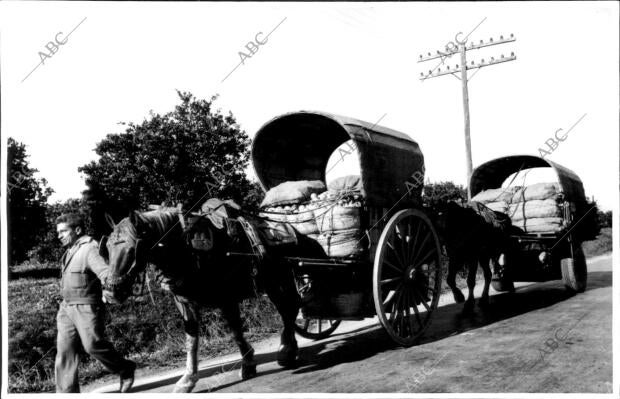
point(358, 60)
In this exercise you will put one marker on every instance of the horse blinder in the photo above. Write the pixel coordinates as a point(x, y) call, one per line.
point(103, 248)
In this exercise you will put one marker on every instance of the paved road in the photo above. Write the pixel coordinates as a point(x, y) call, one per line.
point(541, 339)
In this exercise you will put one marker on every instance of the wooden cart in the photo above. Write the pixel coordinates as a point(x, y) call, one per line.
point(398, 279)
point(543, 256)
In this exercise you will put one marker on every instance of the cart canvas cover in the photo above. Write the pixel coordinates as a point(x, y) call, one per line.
point(297, 146)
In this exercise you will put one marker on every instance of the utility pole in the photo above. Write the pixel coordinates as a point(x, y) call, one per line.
point(462, 48)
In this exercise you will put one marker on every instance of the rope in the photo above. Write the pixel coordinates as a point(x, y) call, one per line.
point(329, 204)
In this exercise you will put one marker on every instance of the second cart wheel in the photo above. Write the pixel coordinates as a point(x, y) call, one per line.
point(407, 275)
point(574, 268)
point(315, 328)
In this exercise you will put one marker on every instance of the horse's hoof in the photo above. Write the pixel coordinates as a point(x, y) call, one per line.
point(186, 384)
point(247, 371)
point(459, 297)
point(183, 388)
point(287, 356)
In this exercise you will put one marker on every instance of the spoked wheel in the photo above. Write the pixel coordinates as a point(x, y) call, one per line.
point(407, 275)
point(315, 328)
point(312, 328)
point(574, 268)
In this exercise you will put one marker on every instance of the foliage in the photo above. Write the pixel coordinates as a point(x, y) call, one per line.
point(602, 245)
point(435, 193)
point(26, 206)
point(604, 218)
point(184, 156)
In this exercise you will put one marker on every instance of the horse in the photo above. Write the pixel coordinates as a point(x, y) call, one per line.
point(200, 278)
point(472, 234)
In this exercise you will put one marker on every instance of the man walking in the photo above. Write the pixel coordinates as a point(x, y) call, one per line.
point(80, 317)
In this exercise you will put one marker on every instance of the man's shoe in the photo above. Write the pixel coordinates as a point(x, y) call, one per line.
point(127, 377)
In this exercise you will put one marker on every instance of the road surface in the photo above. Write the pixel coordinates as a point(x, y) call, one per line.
point(540, 339)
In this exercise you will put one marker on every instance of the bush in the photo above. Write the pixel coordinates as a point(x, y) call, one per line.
point(604, 218)
point(602, 245)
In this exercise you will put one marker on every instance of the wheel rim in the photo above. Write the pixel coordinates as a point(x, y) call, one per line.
point(407, 275)
point(312, 328)
point(315, 328)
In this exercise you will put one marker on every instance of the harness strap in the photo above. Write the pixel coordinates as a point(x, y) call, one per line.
point(257, 245)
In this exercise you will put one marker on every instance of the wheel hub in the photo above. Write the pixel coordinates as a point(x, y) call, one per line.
point(411, 273)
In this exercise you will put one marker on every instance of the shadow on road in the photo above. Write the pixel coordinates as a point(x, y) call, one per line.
point(447, 321)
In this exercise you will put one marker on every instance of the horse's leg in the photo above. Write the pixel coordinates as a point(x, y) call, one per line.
point(486, 269)
point(283, 293)
point(453, 267)
point(472, 268)
point(232, 315)
point(191, 317)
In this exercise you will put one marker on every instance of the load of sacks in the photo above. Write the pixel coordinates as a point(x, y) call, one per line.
point(330, 215)
point(533, 209)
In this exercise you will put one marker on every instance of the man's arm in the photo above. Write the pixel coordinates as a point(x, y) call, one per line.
point(97, 264)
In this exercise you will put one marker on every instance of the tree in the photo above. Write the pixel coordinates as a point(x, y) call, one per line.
point(435, 193)
point(26, 203)
point(184, 156)
point(604, 218)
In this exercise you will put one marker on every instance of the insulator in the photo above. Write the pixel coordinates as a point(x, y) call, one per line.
point(481, 42)
point(501, 38)
point(491, 40)
point(448, 66)
point(429, 72)
point(438, 70)
point(420, 55)
point(429, 54)
point(472, 63)
point(457, 66)
point(492, 59)
point(502, 55)
point(482, 62)
point(512, 54)
point(421, 73)
point(511, 35)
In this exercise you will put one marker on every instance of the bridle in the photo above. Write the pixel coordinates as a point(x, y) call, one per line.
point(122, 283)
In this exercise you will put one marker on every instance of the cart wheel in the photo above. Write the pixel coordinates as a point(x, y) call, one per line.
point(315, 328)
point(574, 268)
point(407, 275)
point(311, 328)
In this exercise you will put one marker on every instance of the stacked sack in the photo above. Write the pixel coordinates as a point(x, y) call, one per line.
point(290, 203)
point(498, 199)
point(338, 215)
point(534, 209)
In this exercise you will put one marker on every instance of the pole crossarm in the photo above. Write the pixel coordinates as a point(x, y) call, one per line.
point(457, 68)
point(472, 46)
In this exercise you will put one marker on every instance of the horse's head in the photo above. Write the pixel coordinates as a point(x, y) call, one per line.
point(125, 250)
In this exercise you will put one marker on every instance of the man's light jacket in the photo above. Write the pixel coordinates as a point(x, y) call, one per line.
point(83, 269)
